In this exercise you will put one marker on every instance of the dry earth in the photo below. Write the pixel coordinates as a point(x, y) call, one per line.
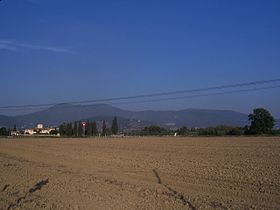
point(140, 173)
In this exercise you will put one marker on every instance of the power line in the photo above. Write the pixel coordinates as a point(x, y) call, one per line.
point(175, 98)
point(200, 95)
point(254, 83)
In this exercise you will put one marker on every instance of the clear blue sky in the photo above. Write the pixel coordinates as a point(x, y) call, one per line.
point(58, 51)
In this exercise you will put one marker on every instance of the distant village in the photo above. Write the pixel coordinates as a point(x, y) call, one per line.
point(38, 130)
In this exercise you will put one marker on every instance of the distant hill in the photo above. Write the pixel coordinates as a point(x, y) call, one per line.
point(67, 113)
point(194, 117)
point(6, 121)
point(123, 123)
point(127, 119)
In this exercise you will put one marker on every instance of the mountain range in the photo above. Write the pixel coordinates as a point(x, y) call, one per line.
point(58, 114)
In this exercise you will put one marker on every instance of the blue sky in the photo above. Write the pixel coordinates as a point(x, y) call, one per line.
point(57, 51)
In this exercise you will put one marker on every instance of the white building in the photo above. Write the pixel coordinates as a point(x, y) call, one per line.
point(14, 133)
point(39, 129)
point(29, 131)
point(40, 126)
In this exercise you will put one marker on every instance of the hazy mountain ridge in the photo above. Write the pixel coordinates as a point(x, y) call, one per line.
point(123, 123)
point(6, 121)
point(195, 117)
point(68, 113)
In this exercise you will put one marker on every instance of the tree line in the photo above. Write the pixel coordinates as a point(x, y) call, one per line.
point(262, 122)
point(87, 129)
point(155, 130)
point(4, 131)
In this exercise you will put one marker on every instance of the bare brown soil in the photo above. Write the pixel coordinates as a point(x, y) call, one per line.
point(140, 173)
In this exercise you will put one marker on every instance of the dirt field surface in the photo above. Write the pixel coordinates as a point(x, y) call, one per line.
point(140, 173)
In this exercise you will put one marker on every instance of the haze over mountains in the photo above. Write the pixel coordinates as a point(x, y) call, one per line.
point(127, 119)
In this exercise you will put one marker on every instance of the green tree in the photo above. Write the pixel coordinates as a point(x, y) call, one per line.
point(80, 128)
point(115, 127)
point(262, 121)
point(94, 129)
point(88, 129)
point(4, 132)
point(75, 129)
point(62, 129)
point(53, 132)
point(235, 131)
point(183, 131)
point(154, 130)
point(104, 128)
point(69, 130)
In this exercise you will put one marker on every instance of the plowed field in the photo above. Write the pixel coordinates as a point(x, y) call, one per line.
point(140, 173)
